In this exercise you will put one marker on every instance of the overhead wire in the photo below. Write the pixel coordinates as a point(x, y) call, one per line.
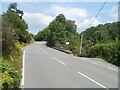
point(91, 23)
point(97, 14)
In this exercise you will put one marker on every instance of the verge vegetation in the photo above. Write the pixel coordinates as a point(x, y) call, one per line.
point(14, 37)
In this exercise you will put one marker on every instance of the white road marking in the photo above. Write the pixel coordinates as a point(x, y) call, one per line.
point(23, 70)
point(92, 80)
point(59, 61)
point(112, 69)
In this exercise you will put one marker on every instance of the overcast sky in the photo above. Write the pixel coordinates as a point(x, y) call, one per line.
point(39, 14)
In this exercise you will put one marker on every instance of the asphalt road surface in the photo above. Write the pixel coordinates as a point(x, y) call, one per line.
point(45, 67)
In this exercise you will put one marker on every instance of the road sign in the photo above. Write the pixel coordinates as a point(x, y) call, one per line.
point(67, 43)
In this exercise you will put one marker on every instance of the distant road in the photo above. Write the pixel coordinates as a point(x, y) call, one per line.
point(48, 68)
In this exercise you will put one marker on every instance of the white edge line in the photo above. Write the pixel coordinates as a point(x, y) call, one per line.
point(92, 80)
point(23, 70)
point(112, 69)
point(59, 61)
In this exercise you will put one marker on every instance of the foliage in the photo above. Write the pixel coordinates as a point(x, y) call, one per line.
point(108, 51)
point(60, 18)
point(57, 33)
point(13, 7)
point(14, 37)
point(20, 25)
point(10, 75)
point(42, 35)
point(74, 43)
point(71, 27)
point(102, 42)
point(8, 37)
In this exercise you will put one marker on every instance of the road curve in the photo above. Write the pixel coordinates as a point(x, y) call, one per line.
point(45, 67)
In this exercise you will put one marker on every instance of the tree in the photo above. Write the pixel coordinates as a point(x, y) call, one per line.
point(102, 41)
point(20, 13)
point(14, 29)
point(13, 8)
point(8, 37)
point(71, 26)
point(60, 18)
point(14, 16)
point(57, 33)
point(14, 34)
point(42, 35)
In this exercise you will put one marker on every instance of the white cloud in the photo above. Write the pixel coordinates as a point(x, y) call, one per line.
point(69, 12)
point(114, 12)
point(37, 21)
point(83, 25)
point(78, 14)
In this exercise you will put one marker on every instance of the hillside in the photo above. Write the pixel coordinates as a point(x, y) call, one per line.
point(102, 42)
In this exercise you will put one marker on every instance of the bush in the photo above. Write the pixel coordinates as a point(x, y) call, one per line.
point(10, 76)
point(110, 52)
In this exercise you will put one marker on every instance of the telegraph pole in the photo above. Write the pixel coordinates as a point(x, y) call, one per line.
point(81, 44)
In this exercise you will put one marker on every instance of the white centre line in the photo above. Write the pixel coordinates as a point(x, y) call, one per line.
point(112, 69)
point(92, 80)
point(23, 70)
point(59, 61)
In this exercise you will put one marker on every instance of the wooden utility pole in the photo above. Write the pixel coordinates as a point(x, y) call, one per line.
point(81, 43)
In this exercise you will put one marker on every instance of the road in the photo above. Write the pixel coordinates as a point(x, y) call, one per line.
point(45, 67)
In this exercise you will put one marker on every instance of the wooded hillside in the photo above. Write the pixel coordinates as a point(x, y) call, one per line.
point(103, 42)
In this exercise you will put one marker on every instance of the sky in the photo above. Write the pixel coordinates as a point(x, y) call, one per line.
point(38, 15)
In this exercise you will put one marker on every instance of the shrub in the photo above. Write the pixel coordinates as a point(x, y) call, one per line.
point(110, 51)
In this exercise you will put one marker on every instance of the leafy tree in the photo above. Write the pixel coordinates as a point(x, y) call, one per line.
point(42, 35)
point(60, 18)
point(71, 27)
point(13, 8)
point(17, 22)
point(57, 33)
point(8, 37)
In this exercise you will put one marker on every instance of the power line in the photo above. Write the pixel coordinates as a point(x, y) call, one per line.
point(91, 24)
point(97, 14)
